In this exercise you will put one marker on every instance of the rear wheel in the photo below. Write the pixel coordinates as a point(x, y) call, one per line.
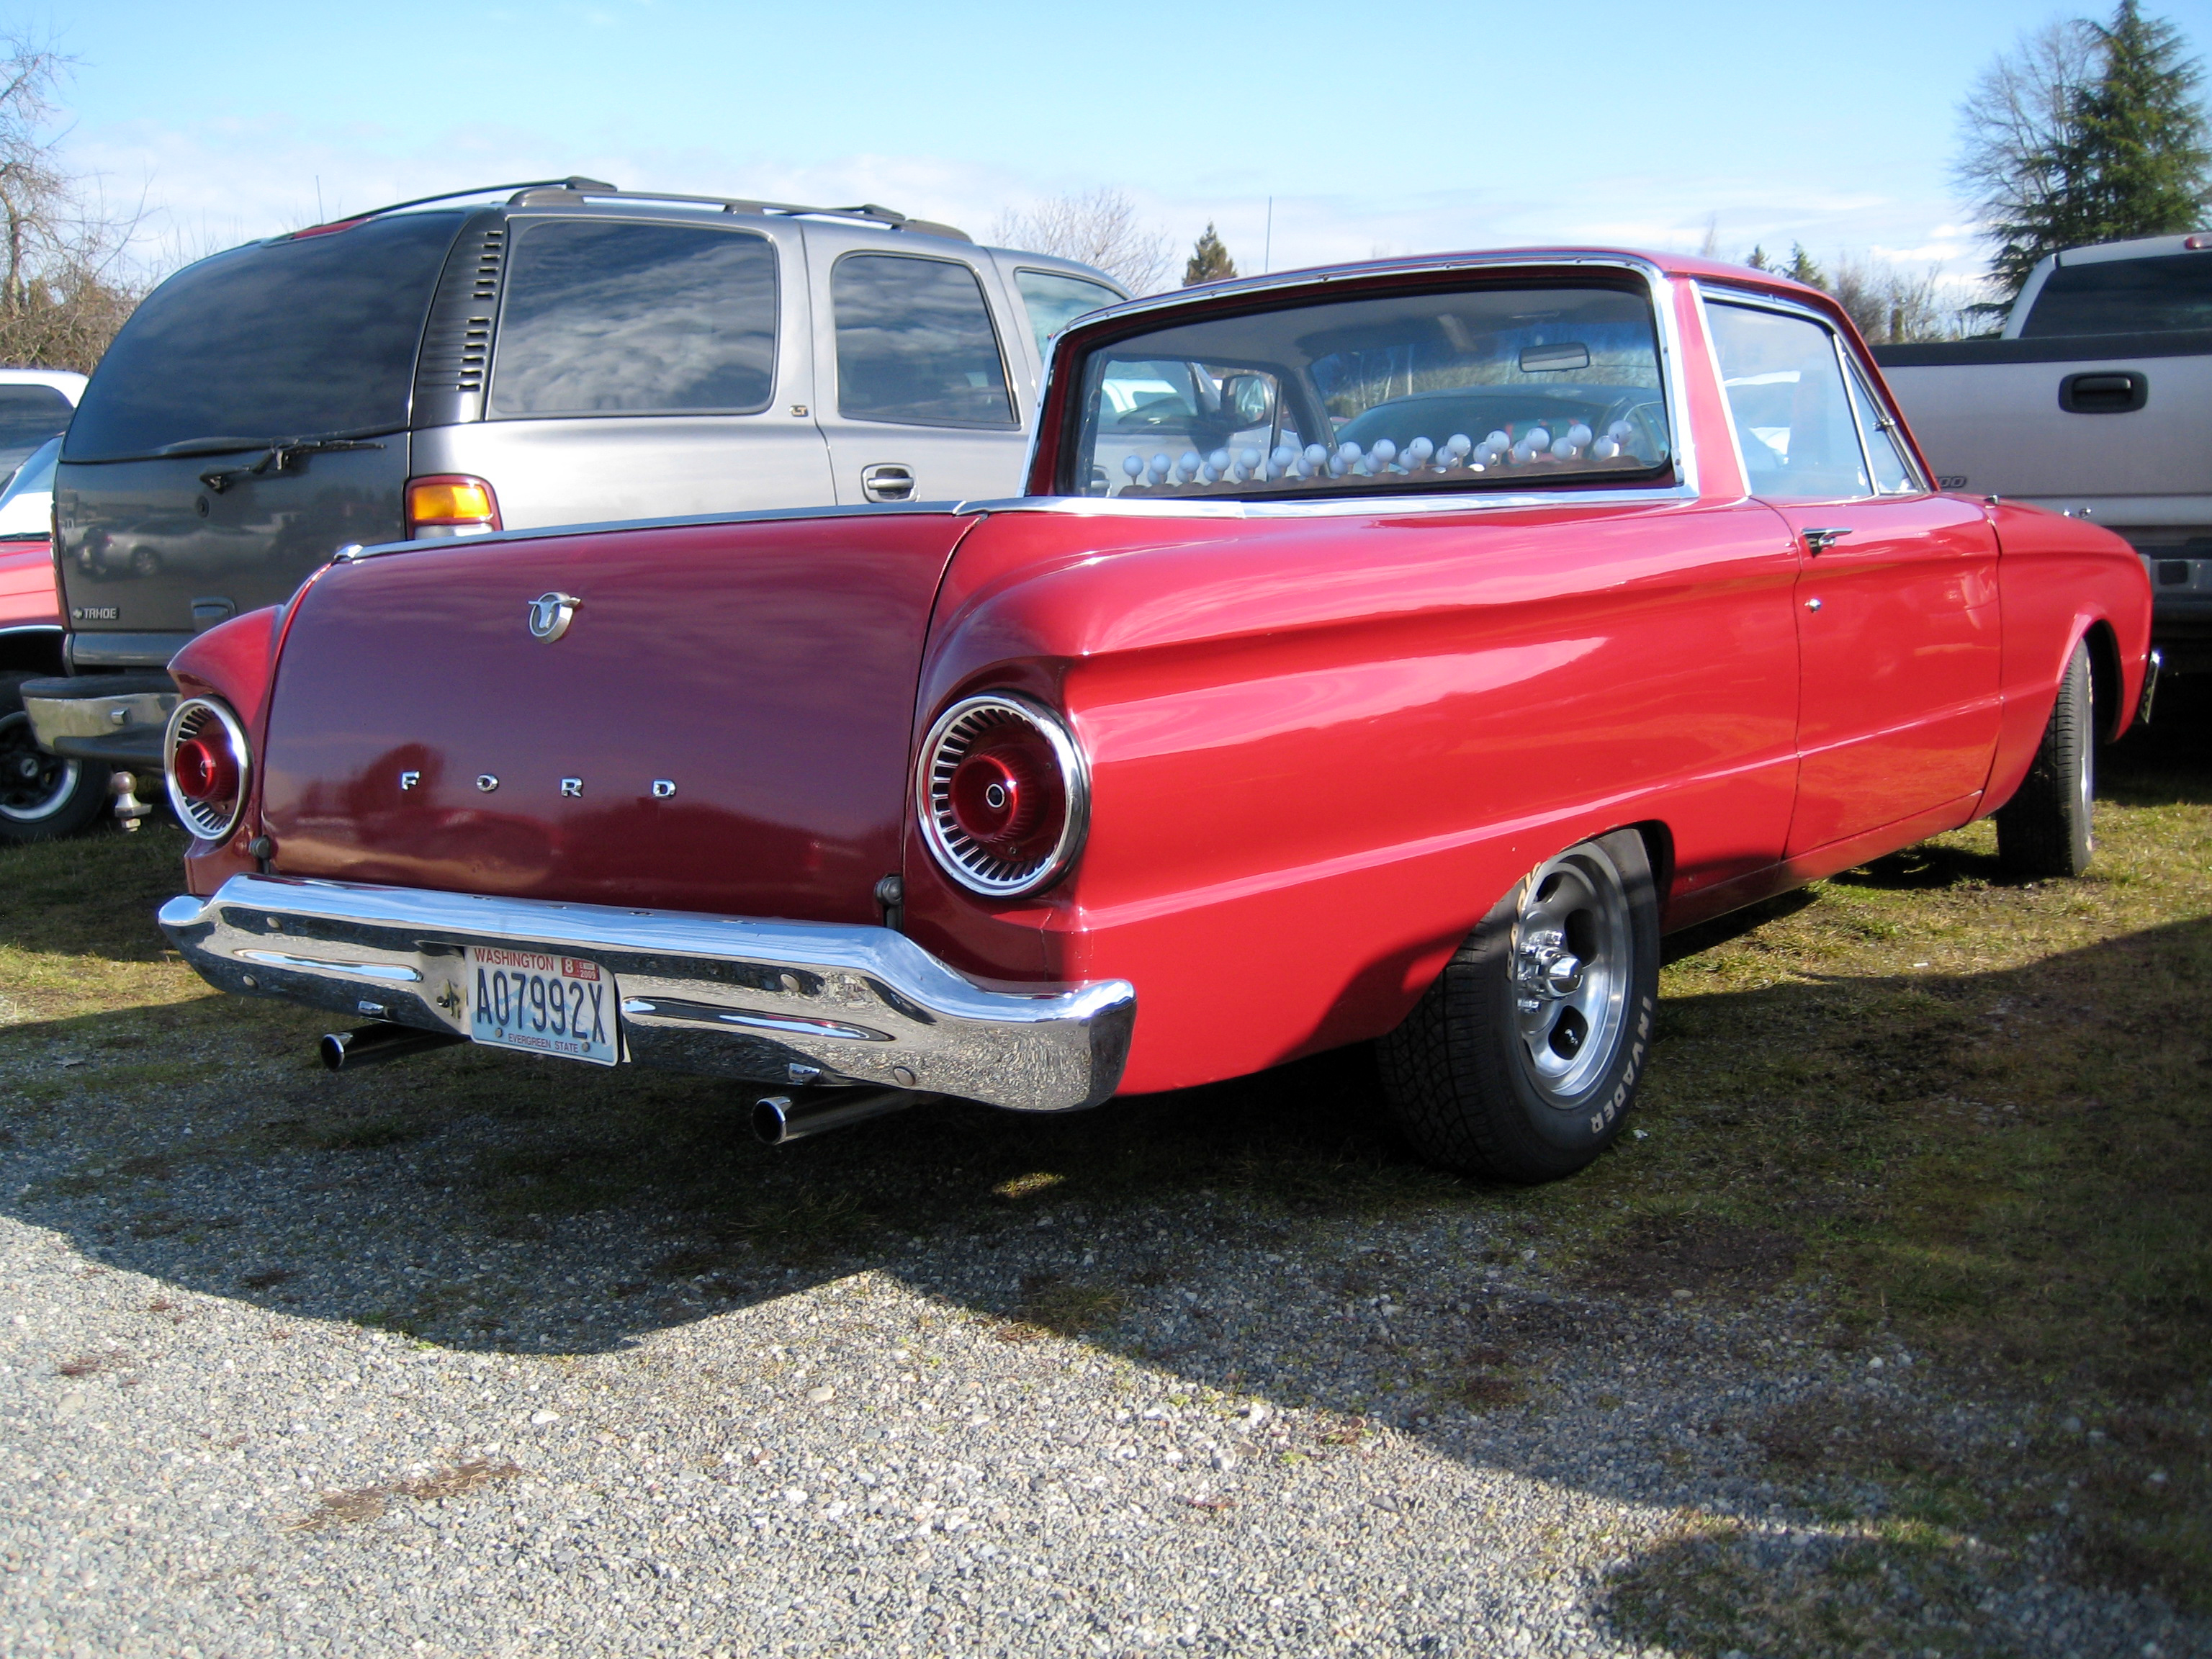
point(2047, 829)
point(1523, 1059)
point(42, 796)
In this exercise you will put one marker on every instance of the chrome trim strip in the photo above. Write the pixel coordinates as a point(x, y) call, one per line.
point(730, 996)
point(1328, 506)
point(672, 1008)
point(353, 554)
point(391, 973)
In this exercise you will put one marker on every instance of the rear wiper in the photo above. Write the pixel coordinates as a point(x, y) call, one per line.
point(282, 456)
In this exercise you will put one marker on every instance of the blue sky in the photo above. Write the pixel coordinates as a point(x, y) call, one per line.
point(1392, 128)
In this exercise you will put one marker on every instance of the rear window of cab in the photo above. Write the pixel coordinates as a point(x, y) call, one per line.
point(1518, 387)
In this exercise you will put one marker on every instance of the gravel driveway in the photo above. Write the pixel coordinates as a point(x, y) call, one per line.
point(299, 1365)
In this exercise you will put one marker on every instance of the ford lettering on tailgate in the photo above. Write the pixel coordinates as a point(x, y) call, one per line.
point(542, 1002)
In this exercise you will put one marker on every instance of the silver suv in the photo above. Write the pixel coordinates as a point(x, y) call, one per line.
point(573, 353)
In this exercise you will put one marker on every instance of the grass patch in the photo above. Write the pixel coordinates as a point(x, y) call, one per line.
point(1717, 1589)
point(1055, 1306)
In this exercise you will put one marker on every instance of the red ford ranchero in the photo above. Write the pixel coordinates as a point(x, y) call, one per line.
point(1390, 653)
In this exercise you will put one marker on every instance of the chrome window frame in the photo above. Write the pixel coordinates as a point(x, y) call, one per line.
point(519, 224)
point(1006, 378)
point(1658, 287)
point(1712, 293)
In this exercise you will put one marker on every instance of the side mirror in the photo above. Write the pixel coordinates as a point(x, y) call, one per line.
point(1247, 400)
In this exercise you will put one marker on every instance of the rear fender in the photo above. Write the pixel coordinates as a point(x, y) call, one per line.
point(236, 662)
point(2062, 582)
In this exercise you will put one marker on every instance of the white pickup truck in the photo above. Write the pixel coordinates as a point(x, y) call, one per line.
point(2096, 401)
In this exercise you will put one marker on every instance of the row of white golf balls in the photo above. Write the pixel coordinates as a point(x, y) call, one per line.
point(1384, 458)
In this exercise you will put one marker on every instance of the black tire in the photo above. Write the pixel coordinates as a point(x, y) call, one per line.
point(42, 797)
point(2048, 828)
point(1487, 1075)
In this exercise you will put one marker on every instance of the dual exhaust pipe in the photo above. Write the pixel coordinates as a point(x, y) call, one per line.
point(776, 1118)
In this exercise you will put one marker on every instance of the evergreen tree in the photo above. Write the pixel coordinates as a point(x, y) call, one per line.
point(1757, 260)
point(2127, 156)
point(1801, 268)
point(1209, 260)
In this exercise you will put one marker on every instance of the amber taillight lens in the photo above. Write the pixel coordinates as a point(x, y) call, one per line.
point(1002, 794)
point(450, 504)
point(208, 765)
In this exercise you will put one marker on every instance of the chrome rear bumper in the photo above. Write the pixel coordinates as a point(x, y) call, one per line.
point(765, 1001)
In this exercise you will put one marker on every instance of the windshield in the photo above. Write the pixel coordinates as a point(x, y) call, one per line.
point(1519, 387)
point(312, 336)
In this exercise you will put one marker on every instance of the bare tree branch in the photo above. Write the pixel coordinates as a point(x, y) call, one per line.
point(64, 289)
point(1098, 228)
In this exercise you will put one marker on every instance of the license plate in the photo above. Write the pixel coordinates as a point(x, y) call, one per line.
point(542, 1003)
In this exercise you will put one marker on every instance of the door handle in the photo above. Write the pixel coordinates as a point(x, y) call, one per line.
point(887, 481)
point(1819, 541)
point(2116, 391)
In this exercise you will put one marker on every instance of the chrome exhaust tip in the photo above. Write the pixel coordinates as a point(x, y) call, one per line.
point(778, 1119)
point(372, 1045)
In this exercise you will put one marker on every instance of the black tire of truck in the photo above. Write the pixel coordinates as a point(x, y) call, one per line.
point(42, 796)
point(1522, 1062)
point(2048, 829)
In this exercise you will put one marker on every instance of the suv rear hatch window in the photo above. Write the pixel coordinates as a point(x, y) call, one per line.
point(312, 337)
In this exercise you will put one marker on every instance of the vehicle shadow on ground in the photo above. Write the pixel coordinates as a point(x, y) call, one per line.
point(482, 1203)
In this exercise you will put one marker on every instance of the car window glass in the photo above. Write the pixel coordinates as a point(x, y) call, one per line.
point(302, 338)
point(2124, 296)
point(915, 344)
point(36, 476)
point(1519, 387)
point(29, 415)
point(1055, 299)
point(1786, 396)
point(1892, 474)
point(604, 317)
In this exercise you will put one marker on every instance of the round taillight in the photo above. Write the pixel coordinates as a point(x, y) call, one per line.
point(202, 771)
point(1001, 794)
point(207, 764)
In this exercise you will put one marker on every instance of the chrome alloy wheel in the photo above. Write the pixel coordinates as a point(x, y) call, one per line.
point(1571, 962)
point(34, 785)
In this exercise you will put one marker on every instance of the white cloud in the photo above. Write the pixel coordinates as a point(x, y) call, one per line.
point(220, 181)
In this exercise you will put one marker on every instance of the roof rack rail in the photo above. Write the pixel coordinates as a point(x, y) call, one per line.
point(576, 184)
point(573, 182)
point(871, 212)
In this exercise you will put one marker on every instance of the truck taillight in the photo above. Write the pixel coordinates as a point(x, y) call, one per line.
point(450, 504)
point(209, 766)
point(1002, 794)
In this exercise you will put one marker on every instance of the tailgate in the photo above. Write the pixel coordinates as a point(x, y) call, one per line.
point(722, 726)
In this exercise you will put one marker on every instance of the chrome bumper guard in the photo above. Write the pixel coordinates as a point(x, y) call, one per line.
point(778, 1002)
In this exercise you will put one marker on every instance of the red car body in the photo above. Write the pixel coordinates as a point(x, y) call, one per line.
point(1319, 746)
point(30, 605)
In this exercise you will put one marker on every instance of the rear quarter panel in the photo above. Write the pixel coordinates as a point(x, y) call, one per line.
point(1322, 748)
point(2058, 578)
